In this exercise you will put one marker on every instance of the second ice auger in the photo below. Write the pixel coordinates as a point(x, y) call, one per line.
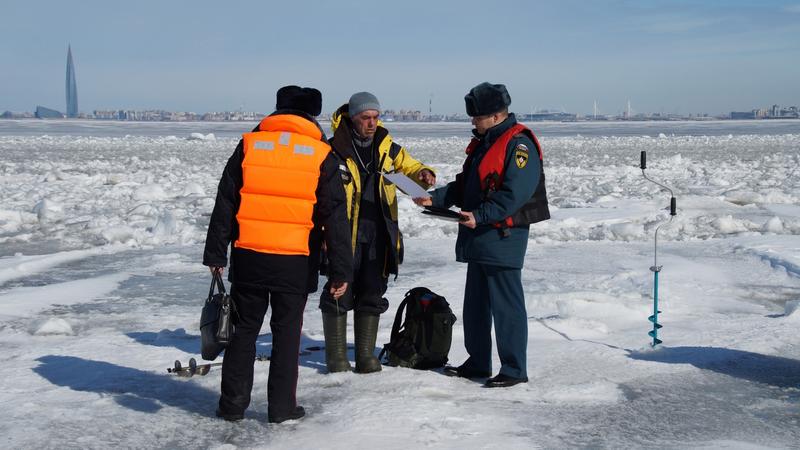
point(655, 268)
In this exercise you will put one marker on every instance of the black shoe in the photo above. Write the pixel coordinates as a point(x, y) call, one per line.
point(230, 417)
point(504, 381)
point(294, 415)
point(465, 372)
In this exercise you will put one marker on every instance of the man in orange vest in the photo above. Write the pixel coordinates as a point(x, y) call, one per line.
point(501, 192)
point(279, 197)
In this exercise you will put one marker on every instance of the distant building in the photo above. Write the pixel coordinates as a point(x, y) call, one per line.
point(72, 87)
point(743, 115)
point(549, 115)
point(16, 115)
point(403, 115)
point(47, 113)
point(237, 116)
point(773, 112)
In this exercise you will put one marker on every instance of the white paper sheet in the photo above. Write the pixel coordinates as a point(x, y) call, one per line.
point(407, 185)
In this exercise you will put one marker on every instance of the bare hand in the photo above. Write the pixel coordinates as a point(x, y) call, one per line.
point(423, 201)
point(338, 288)
point(467, 219)
point(215, 270)
point(427, 177)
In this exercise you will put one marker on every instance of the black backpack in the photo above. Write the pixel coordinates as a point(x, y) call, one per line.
point(422, 339)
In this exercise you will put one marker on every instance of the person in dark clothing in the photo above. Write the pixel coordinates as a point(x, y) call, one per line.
point(366, 149)
point(500, 192)
point(279, 197)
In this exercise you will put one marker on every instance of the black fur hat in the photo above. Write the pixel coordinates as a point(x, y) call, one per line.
point(485, 99)
point(307, 100)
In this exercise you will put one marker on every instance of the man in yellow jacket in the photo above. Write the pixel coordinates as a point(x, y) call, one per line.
point(366, 150)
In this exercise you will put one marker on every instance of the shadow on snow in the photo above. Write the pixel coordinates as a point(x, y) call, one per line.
point(312, 351)
point(178, 338)
point(136, 389)
point(771, 370)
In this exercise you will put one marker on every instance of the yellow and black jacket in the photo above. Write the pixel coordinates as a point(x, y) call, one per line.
point(395, 158)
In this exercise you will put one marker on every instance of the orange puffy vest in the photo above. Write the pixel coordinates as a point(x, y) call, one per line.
point(280, 172)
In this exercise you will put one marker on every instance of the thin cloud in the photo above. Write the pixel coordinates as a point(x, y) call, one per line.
point(793, 8)
point(673, 24)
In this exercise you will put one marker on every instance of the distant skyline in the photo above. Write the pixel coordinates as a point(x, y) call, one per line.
point(670, 56)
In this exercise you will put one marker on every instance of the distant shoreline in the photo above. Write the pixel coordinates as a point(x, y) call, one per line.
point(419, 122)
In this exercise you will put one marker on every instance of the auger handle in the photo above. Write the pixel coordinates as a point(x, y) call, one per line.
point(643, 163)
point(673, 206)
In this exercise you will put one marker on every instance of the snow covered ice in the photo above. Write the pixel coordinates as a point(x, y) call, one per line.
point(101, 234)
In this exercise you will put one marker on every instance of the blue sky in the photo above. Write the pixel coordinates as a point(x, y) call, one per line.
point(676, 56)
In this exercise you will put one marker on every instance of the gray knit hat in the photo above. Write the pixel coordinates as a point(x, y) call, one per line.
point(362, 101)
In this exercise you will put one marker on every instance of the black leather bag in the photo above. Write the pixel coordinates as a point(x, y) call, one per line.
point(216, 320)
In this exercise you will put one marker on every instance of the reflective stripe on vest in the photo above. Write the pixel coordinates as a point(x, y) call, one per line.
point(280, 170)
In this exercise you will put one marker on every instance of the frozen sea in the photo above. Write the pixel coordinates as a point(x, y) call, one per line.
point(102, 227)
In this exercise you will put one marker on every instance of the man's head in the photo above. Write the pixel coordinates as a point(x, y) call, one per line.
point(364, 110)
point(487, 104)
point(305, 99)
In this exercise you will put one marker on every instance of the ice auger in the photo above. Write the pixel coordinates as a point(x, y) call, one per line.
point(655, 268)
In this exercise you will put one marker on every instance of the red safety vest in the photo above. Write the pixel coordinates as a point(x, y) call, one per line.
point(492, 168)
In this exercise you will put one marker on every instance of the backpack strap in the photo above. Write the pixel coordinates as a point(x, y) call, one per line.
point(398, 318)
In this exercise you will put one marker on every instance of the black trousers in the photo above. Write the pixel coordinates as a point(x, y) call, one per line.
point(286, 323)
point(365, 293)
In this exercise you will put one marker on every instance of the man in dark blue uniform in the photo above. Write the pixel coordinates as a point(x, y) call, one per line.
point(500, 192)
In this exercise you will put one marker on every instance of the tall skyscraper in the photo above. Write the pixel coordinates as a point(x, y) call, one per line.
point(72, 86)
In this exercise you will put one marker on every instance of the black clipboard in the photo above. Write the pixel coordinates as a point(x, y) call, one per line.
point(442, 213)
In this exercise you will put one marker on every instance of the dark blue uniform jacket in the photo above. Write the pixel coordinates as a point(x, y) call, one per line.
point(485, 244)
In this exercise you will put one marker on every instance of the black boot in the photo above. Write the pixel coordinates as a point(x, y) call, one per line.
point(465, 372)
point(335, 329)
point(230, 417)
point(366, 327)
point(295, 414)
point(502, 380)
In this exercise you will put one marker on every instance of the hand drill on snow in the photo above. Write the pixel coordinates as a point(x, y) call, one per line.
point(655, 268)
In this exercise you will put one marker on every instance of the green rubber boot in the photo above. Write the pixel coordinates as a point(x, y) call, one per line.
point(335, 329)
point(366, 327)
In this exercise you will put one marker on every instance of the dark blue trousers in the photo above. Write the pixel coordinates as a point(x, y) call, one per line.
point(495, 293)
